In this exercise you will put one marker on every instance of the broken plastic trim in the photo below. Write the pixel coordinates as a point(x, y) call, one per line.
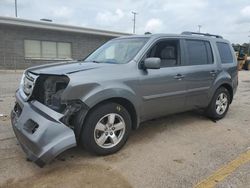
point(72, 107)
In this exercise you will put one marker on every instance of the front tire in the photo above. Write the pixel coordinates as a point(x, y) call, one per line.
point(219, 104)
point(106, 129)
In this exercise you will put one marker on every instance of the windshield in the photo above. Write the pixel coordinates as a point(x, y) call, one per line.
point(117, 51)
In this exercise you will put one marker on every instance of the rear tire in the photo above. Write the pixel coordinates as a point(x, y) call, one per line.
point(106, 129)
point(219, 104)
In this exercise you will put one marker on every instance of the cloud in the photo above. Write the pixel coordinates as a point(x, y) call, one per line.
point(245, 11)
point(153, 25)
point(185, 6)
point(224, 17)
point(243, 17)
point(108, 17)
point(8, 2)
point(62, 12)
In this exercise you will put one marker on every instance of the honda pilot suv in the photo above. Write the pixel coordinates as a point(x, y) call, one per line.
point(96, 102)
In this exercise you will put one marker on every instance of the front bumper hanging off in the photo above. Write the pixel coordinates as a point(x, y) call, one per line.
point(39, 130)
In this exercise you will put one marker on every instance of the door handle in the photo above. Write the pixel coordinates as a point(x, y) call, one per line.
point(179, 76)
point(213, 72)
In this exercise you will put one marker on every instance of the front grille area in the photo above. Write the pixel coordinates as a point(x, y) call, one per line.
point(47, 89)
point(29, 83)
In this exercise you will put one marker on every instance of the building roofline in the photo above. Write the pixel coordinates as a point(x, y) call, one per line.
point(58, 27)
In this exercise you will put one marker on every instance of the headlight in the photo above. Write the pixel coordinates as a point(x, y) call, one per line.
point(28, 82)
point(22, 81)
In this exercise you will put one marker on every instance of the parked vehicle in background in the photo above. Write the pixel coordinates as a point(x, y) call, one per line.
point(96, 102)
point(243, 59)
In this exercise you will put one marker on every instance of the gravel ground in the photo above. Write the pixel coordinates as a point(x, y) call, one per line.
point(176, 151)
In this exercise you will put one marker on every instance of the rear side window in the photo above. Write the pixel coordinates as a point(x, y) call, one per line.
point(225, 52)
point(199, 52)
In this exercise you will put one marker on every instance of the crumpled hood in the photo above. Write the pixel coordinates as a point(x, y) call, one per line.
point(66, 67)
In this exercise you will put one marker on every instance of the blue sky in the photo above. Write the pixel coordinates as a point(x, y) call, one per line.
point(229, 18)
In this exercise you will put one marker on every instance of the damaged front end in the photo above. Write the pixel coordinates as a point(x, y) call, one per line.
point(48, 90)
point(44, 123)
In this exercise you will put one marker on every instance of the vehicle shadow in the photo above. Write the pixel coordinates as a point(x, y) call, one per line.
point(152, 128)
point(144, 134)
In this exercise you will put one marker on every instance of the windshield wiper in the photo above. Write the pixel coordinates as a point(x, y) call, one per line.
point(91, 61)
point(95, 61)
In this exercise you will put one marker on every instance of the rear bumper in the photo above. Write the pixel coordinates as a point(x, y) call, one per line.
point(39, 130)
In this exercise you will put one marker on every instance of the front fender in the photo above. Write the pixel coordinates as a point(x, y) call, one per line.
point(92, 94)
point(98, 95)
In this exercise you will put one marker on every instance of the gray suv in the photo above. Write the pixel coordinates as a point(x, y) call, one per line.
point(96, 102)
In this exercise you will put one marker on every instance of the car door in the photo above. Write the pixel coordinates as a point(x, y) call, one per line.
point(163, 90)
point(200, 73)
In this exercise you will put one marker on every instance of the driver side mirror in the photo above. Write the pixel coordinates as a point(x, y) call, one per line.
point(152, 63)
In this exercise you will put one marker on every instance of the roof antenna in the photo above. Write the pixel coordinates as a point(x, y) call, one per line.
point(46, 20)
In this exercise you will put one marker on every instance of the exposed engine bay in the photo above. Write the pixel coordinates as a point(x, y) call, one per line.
point(53, 88)
point(48, 90)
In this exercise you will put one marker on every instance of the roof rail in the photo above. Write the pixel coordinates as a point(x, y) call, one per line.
point(204, 34)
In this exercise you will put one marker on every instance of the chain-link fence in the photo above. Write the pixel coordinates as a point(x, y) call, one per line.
point(16, 62)
point(9, 81)
point(11, 69)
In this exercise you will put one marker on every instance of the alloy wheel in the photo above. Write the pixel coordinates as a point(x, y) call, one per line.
point(221, 103)
point(109, 130)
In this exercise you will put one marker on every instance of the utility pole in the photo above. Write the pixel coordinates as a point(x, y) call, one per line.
point(199, 28)
point(134, 13)
point(248, 53)
point(16, 8)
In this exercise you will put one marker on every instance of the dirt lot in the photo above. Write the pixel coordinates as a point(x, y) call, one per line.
point(176, 151)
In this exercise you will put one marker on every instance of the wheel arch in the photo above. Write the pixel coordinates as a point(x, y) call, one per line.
point(126, 104)
point(230, 90)
point(226, 85)
point(81, 116)
point(223, 80)
point(120, 94)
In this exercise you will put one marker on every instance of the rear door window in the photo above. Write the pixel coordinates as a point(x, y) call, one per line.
point(225, 52)
point(198, 52)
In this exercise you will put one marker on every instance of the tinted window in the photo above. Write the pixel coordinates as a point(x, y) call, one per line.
point(167, 51)
point(199, 52)
point(225, 52)
point(209, 53)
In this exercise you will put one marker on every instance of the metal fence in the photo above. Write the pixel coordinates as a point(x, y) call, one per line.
point(16, 62)
point(13, 62)
point(11, 69)
point(9, 82)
